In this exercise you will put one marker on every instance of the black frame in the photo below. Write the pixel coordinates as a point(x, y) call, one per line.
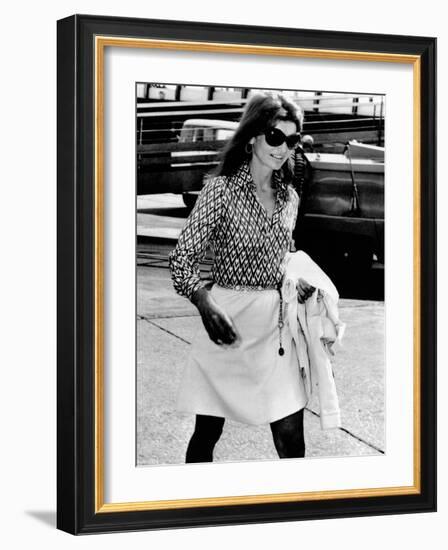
point(76, 264)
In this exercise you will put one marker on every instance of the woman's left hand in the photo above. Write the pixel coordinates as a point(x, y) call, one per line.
point(304, 290)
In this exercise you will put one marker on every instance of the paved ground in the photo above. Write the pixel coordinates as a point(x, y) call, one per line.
point(166, 325)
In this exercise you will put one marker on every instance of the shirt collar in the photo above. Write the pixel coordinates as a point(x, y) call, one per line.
point(243, 178)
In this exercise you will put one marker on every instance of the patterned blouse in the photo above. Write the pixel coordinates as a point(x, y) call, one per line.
point(249, 247)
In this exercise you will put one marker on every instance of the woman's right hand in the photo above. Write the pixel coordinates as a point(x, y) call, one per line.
point(217, 323)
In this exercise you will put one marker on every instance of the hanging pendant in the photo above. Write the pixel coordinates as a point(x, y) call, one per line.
point(280, 323)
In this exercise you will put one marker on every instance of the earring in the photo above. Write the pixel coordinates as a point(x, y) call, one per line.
point(248, 148)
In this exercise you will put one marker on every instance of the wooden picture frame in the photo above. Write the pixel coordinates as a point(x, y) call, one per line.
point(82, 41)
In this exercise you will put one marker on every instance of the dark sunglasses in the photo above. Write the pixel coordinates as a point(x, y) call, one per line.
point(275, 137)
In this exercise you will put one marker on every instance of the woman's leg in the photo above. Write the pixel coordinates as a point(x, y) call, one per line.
point(288, 436)
point(207, 431)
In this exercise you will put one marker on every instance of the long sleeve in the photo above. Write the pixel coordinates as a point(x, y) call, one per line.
point(196, 235)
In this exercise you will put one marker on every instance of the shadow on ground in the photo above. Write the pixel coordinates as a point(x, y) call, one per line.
point(47, 517)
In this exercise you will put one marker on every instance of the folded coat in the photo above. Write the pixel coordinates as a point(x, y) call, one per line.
point(316, 329)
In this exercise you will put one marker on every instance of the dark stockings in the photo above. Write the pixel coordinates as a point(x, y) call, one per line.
point(288, 436)
point(287, 433)
point(207, 431)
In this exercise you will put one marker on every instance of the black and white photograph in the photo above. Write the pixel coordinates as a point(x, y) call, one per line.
point(125, 237)
point(260, 274)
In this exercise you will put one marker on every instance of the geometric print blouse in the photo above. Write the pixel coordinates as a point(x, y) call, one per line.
point(249, 247)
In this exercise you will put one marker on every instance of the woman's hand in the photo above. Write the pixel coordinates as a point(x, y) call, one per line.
point(217, 323)
point(304, 290)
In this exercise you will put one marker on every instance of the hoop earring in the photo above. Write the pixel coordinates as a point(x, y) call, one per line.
point(248, 148)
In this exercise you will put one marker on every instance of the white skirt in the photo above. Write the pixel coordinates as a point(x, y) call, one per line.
point(250, 382)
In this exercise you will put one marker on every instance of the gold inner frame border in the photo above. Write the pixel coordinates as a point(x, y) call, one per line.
point(101, 42)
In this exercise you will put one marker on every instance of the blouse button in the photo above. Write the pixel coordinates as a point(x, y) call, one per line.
point(237, 287)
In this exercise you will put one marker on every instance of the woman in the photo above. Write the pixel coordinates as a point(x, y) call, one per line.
point(242, 364)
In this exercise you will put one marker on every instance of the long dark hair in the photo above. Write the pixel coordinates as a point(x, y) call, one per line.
point(262, 111)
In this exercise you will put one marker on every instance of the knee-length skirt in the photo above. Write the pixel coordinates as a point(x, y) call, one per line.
point(248, 382)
